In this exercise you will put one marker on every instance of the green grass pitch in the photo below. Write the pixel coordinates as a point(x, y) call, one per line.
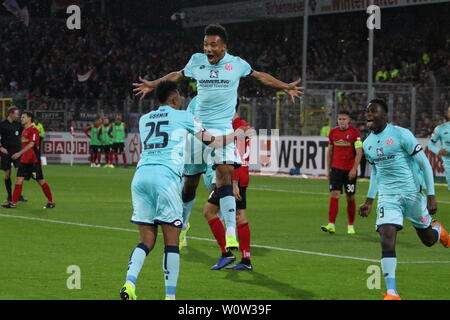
point(285, 216)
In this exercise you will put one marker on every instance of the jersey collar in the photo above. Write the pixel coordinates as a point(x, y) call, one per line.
point(165, 106)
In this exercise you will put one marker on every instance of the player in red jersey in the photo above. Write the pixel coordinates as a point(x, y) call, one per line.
point(30, 164)
point(241, 180)
point(343, 158)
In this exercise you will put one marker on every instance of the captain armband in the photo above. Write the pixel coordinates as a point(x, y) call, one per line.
point(358, 144)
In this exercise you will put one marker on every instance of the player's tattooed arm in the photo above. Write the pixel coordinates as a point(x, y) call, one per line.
point(143, 87)
point(220, 141)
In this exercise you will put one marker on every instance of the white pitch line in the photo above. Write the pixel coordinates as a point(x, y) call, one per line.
point(211, 240)
point(310, 192)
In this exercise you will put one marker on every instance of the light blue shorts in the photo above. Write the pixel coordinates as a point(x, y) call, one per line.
point(209, 177)
point(156, 196)
point(392, 209)
point(198, 156)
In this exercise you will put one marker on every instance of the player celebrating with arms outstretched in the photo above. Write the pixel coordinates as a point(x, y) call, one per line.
point(400, 171)
point(156, 186)
point(218, 74)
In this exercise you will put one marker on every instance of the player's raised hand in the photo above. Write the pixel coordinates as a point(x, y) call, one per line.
point(364, 209)
point(143, 88)
point(245, 132)
point(431, 204)
point(294, 90)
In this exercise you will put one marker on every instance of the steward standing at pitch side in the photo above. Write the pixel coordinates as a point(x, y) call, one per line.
point(10, 133)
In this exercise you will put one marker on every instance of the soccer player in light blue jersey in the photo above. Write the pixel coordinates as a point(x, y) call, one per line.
point(218, 74)
point(156, 186)
point(400, 172)
point(442, 134)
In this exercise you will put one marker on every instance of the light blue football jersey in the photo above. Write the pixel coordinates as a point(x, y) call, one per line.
point(391, 153)
point(163, 136)
point(217, 87)
point(442, 134)
point(191, 107)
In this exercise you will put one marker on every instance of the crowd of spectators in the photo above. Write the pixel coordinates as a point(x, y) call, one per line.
point(47, 57)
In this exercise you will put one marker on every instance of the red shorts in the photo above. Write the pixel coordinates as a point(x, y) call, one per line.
point(241, 174)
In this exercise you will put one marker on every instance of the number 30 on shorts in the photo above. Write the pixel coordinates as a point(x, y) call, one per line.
point(350, 188)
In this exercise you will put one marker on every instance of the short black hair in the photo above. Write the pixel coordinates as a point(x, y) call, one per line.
point(344, 112)
point(217, 30)
point(165, 89)
point(381, 103)
point(29, 114)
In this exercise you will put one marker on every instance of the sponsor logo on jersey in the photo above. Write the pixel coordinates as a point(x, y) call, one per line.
point(214, 74)
point(380, 152)
point(341, 143)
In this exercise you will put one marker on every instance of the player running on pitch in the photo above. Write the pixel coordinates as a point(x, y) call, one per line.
point(343, 158)
point(400, 171)
point(442, 134)
point(156, 186)
point(30, 163)
point(218, 74)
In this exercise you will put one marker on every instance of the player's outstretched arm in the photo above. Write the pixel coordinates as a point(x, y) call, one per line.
point(290, 88)
point(427, 170)
point(220, 141)
point(145, 86)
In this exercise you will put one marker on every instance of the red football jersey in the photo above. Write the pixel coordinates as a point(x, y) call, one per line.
point(343, 142)
point(243, 147)
point(31, 134)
